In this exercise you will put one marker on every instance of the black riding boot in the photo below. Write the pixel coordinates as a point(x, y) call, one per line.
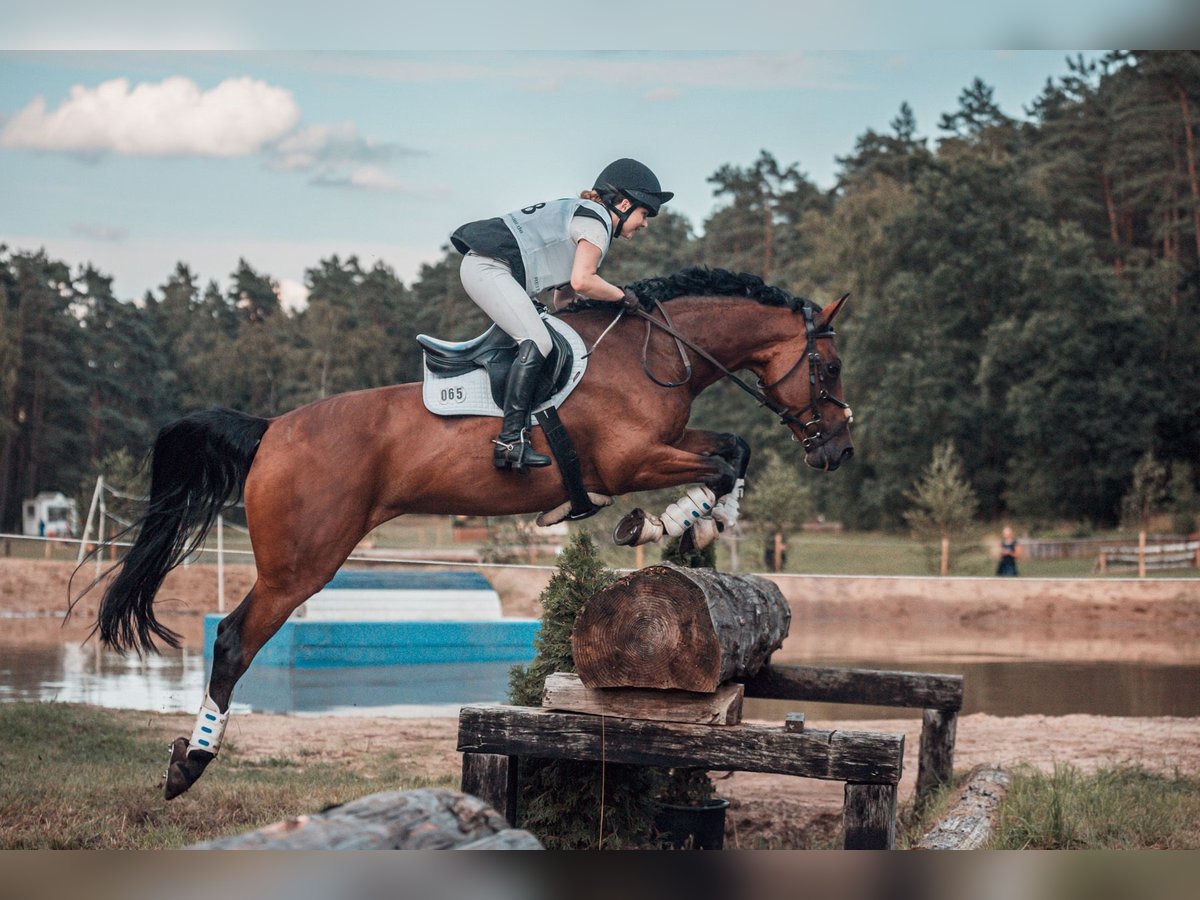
point(513, 449)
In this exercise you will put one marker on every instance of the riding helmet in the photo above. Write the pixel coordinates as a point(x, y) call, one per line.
point(635, 181)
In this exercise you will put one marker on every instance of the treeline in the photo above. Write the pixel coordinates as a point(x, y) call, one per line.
point(1026, 288)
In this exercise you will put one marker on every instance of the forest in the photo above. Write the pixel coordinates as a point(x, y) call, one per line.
point(1025, 285)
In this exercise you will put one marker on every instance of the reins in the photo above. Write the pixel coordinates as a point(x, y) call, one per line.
point(817, 392)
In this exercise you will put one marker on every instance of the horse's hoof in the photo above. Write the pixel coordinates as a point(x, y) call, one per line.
point(703, 534)
point(629, 528)
point(183, 769)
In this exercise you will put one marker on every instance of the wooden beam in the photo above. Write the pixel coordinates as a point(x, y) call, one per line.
point(935, 763)
point(565, 691)
point(869, 817)
point(493, 779)
point(862, 686)
point(424, 819)
point(970, 821)
point(833, 755)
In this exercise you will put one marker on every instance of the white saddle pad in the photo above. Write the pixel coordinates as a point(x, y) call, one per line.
point(470, 394)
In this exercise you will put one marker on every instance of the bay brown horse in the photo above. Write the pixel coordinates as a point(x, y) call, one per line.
point(317, 479)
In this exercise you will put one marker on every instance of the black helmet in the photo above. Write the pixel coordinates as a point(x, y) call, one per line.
point(634, 180)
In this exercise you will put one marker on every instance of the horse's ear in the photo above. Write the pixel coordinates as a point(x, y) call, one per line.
point(829, 313)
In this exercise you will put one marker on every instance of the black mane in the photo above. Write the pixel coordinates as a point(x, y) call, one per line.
point(701, 281)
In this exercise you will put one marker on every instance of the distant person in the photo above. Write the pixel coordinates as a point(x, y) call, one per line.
point(1010, 551)
point(556, 244)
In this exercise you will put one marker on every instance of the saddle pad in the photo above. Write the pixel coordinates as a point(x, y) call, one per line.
point(470, 394)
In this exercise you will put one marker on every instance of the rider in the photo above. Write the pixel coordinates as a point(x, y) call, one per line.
point(557, 244)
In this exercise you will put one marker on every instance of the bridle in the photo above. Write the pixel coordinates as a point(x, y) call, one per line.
point(811, 428)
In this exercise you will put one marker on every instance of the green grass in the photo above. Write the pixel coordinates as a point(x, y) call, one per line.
point(1118, 808)
point(78, 777)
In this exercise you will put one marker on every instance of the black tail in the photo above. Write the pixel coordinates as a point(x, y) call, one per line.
point(198, 464)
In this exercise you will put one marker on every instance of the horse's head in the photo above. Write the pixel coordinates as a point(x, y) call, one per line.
point(803, 377)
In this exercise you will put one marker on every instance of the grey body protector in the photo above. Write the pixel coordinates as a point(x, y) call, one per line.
point(543, 235)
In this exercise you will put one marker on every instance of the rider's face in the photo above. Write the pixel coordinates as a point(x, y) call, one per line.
point(636, 222)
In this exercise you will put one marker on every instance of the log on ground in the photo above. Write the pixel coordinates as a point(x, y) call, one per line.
point(424, 819)
point(667, 627)
point(971, 820)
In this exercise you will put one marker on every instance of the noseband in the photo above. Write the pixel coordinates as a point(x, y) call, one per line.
point(814, 436)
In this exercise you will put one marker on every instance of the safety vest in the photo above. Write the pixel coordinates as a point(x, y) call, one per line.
point(543, 234)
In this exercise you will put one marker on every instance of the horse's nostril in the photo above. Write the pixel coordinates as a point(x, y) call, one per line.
point(846, 454)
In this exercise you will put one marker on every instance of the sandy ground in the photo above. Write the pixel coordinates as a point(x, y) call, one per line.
point(1109, 620)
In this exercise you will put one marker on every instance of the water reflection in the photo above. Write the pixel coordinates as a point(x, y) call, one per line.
point(175, 681)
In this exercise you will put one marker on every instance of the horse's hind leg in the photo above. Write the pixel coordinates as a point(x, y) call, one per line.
point(240, 635)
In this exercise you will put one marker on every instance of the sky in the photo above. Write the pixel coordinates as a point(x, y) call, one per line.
point(117, 152)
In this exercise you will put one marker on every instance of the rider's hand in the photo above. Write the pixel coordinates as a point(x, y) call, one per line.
point(630, 300)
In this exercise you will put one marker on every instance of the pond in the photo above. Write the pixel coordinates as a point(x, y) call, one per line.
point(175, 681)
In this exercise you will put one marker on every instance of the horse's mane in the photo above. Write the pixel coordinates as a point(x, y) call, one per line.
point(701, 281)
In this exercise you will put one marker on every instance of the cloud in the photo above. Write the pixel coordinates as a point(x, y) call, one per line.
point(293, 294)
point(328, 147)
point(96, 232)
point(659, 95)
point(173, 117)
point(367, 178)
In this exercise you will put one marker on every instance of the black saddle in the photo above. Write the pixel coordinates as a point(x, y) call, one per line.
point(494, 352)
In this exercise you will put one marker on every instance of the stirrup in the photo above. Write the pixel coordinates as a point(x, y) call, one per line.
point(526, 456)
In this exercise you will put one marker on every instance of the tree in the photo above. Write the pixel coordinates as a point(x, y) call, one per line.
point(943, 503)
point(1147, 493)
point(898, 157)
point(778, 502)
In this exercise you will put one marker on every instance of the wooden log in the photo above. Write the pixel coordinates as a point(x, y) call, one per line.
point(565, 691)
point(862, 686)
point(668, 627)
point(859, 756)
point(493, 779)
point(425, 819)
point(869, 817)
point(971, 819)
point(935, 764)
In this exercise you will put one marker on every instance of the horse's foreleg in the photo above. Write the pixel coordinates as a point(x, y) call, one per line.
point(715, 461)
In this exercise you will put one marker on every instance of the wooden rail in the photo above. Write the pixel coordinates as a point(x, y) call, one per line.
point(938, 696)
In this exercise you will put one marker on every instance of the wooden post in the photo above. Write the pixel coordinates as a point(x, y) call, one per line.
point(869, 817)
point(778, 552)
point(1103, 562)
point(935, 765)
point(945, 555)
point(639, 556)
point(492, 777)
point(1142, 553)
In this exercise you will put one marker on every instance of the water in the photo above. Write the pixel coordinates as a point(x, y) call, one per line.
point(175, 682)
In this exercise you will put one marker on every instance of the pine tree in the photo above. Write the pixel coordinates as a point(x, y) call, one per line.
point(561, 799)
point(943, 504)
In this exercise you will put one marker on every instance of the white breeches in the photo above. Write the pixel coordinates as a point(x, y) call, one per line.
point(490, 283)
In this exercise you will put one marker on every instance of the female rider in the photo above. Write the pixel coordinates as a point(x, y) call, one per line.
point(557, 244)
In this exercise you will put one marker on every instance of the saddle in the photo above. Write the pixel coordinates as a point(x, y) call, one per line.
point(494, 352)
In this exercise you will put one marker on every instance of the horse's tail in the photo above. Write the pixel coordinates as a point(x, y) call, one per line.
point(198, 464)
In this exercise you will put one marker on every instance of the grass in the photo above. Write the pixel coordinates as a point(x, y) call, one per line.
point(78, 777)
point(1116, 808)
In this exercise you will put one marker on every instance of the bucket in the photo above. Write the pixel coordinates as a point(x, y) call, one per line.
point(692, 827)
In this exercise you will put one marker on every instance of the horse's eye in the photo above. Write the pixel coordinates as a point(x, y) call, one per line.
point(834, 369)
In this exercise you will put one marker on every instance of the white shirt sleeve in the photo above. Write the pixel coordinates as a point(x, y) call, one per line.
point(585, 228)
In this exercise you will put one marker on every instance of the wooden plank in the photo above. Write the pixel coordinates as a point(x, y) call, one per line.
point(869, 817)
point(935, 765)
point(425, 819)
point(493, 779)
point(971, 819)
point(862, 686)
point(834, 755)
point(565, 691)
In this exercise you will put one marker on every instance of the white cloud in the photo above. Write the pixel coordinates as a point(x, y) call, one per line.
point(292, 294)
point(367, 178)
point(173, 117)
point(659, 95)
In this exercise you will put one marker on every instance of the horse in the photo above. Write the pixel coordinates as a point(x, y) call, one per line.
point(317, 479)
